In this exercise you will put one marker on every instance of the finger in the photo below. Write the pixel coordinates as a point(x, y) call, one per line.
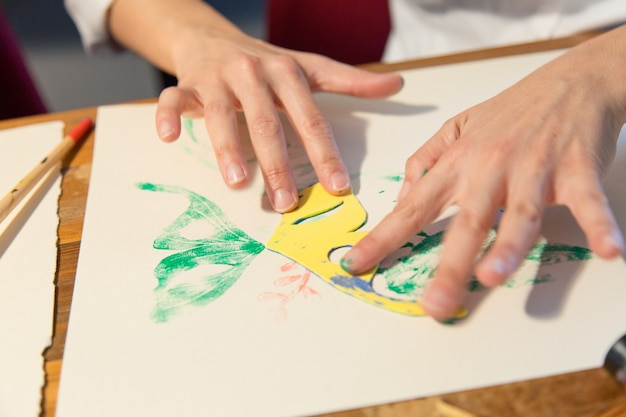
point(518, 230)
point(172, 104)
point(325, 74)
point(428, 154)
point(421, 206)
point(266, 135)
point(584, 196)
point(221, 124)
point(313, 130)
point(462, 242)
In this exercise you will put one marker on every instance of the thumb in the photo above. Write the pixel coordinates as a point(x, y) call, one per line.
point(325, 74)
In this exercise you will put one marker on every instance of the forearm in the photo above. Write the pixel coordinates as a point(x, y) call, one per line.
point(160, 30)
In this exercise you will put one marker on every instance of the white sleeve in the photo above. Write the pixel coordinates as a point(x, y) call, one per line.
point(90, 17)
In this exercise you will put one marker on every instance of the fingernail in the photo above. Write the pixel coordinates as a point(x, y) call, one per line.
point(348, 261)
point(614, 240)
point(439, 304)
point(502, 265)
point(340, 182)
point(165, 130)
point(235, 174)
point(284, 201)
point(498, 265)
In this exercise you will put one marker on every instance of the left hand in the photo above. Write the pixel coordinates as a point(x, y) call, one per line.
point(546, 140)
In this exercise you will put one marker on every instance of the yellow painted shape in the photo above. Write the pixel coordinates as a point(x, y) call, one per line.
point(310, 243)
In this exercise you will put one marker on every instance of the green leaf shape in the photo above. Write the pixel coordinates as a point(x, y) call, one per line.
point(227, 245)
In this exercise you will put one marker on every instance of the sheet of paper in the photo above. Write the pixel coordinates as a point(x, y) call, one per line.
point(28, 256)
point(180, 309)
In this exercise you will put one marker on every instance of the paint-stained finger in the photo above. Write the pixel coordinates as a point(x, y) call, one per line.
point(421, 206)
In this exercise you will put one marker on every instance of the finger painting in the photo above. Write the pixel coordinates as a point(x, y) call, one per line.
point(194, 299)
point(226, 246)
point(321, 224)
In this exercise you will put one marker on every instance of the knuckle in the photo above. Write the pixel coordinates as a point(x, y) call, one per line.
point(265, 126)
point(316, 126)
point(528, 210)
point(225, 150)
point(285, 65)
point(409, 211)
point(474, 223)
point(450, 131)
point(275, 176)
point(595, 195)
point(247, 64)
point(215, 108)
point(415, 163)
point(329, 160)
point(172, 98)
point(169, 93)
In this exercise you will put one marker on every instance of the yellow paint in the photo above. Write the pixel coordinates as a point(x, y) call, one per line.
point(310, 243)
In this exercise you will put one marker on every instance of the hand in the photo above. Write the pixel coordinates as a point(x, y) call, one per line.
point(221, 70)
point(222, 76)
point(546, 140)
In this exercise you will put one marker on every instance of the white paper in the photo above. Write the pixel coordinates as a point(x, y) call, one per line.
point(28, 256)
point(279, 341)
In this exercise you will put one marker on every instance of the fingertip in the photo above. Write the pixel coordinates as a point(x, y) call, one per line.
point(610, 245)
point(284, 201)
point(172, 104)
point(441, 302)
point(167, 131)
point(399, 83)
point(347, 262)
point(235, 175)
point(368, 84)
point(494, 270)
point(354, 261)
point(339, 183)
point(390, 84)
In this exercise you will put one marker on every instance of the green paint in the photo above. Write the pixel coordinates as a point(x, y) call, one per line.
point(194, 147)
point(407, 272)
point(414, 265)
point(227, 246)
point(188, 126)
point(395, 177)
point(528, 280)
point(474, 285)
point(345, 263)
point(554, 254)
point(411, 272)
